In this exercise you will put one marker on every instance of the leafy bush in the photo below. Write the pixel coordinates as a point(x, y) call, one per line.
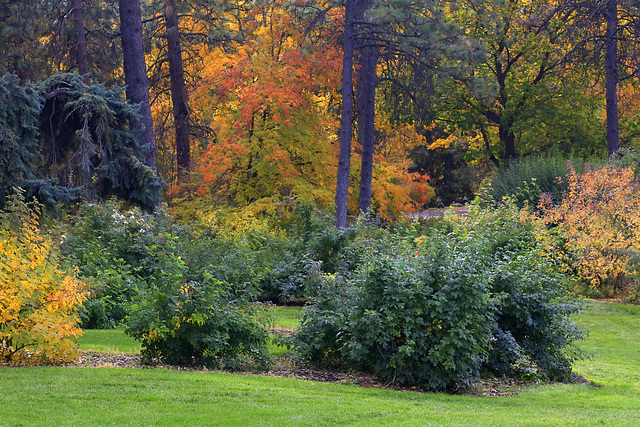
point(182, 291)
point(312, 242)
point(598, 219)
point(195, 323)
point(39, 301)
point(120, 252)
point(436, 311)
point(532, 331)
point(111, 247)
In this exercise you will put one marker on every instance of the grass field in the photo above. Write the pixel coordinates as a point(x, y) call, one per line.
point(111, 396)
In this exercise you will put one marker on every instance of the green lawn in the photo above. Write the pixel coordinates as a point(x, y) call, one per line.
point(112, 396)
point(108, 341)
point(286, 317)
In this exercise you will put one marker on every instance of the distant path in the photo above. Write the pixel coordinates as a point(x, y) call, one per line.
point(439, 212)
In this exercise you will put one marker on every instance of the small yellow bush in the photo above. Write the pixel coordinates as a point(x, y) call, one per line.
point(38, 301)
point(599, 220)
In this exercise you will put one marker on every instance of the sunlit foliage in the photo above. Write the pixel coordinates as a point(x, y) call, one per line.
point(599, 222)
point(38, 300)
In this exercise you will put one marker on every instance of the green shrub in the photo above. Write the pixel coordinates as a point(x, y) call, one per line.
point(532, 332)
point(312, 241)
point(196, 324)
point(437, 311)
point(110, 247)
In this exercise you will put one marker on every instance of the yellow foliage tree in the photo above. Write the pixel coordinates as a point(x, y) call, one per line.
point(38, 301)
point(268, 104)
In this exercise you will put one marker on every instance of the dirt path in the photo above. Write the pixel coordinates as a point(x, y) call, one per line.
point(439, 212)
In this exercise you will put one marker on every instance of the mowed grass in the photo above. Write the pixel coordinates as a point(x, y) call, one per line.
point(113, 341)
point(286, 317)
point(112, 396)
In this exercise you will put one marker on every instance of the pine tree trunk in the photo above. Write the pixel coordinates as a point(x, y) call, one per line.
point(135, 74)
point(366, 98)
point(346, 120)
point(81, 40)
point(179, 97)
point(611, 77)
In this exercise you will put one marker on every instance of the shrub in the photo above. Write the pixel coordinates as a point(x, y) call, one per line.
point(598, 219)
point(531, 330)
point(436, 311)
point(196, 324)
point(111, 246)
point(523, 180)
point(38, 300)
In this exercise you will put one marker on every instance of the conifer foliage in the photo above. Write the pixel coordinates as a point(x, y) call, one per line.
point(19, 109)
point(63, 139)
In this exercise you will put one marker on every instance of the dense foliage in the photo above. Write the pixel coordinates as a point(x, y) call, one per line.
point(436, 311)
point(524, 180)
point(185, 294)
point(201, 323)
point(38, 299)
point(598, 225)
point(65, 139)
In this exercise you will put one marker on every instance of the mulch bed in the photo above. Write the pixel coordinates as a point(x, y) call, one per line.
point(488, 387)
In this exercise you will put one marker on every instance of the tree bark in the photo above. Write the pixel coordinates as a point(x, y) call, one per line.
point(611, 77)
point(508, 138)
point(346, 120)
point(81, 40)
point(179, 97)
point(366, 97)
point(135, 74)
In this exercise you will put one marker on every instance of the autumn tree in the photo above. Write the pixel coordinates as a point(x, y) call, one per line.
point(598, 219)
point(269, 102)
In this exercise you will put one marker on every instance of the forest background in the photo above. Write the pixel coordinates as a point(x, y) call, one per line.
point(252, 106)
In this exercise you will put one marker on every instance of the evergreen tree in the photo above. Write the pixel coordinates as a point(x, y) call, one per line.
point(65, 139)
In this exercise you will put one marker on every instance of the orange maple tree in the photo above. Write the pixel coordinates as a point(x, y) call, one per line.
point(270, 104)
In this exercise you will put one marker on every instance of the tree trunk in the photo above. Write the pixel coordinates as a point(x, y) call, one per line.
point(135, 74)
point(81, 40)
point(344, 161)
point(611, 77)
point(508, 138)
point(366, 97)
point(179, 96)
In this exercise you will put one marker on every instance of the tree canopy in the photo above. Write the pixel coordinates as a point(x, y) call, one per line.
point(247, 97)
